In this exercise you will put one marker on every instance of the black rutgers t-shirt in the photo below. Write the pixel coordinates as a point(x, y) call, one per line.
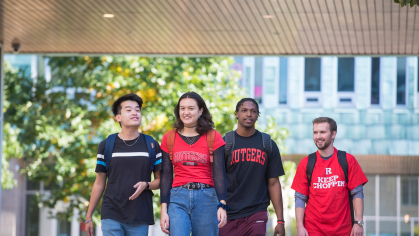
point(248, 172)
point(129, 165)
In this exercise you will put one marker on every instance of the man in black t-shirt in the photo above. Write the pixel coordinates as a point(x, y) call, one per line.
point(127, 207)
point(252, 177)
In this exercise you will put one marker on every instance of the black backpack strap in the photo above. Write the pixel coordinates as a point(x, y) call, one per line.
point(344, 164)
point(229, 140)
point(267, 143)
point(310, 166)
point(110, 143)
point(152, 150)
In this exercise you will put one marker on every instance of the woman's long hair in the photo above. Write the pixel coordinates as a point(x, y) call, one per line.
point(205, 122)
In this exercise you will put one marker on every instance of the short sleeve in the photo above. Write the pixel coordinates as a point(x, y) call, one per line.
point(218, 142)
point(163, 144)
point(158, 165)
point(355, 174)
point(300, 182)
point(100, 163)
point(275, 168)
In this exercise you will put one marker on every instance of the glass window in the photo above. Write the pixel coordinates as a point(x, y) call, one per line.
point(312, 75)
point(283, 80)
point(401, 81)
point(63, 226)
point(388, 228)
point(370, 227)
point(409, 196)
point(388, 196)
point(32, 216)
point(375, 81)
point(417, 77)
point(33, 185)
point(270, 80)
point(258, 79)
point(247, 79)
point(346, 74)
point(405, 227)
point(369, 200)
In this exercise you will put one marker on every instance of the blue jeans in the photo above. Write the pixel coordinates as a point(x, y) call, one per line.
point(195, 210)
point(114, 228)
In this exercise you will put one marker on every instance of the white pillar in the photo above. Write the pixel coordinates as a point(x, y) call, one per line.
point(1, 110)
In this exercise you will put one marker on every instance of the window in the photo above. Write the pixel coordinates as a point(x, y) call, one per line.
point(312, 74)
point(258, 79)
point(32, 215)
point(346, 71)
point(270, 80)
point(312, 82)
point(63, 226)
point(283, 80)
point(409, 191)
point(375, 81)
point(401, 81)
point(346, 82)
point(247, 79)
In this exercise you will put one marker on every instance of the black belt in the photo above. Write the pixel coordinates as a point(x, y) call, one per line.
point(196, 186)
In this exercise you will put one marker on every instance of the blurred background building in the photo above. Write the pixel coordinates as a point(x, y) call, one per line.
point(375, 102)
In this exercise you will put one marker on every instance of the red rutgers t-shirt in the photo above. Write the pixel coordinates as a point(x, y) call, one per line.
point(192, 164)
point(328, 211)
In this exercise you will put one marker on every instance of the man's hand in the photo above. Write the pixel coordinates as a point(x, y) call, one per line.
point(357, 230)
point(140, 188)
point(301, 231)
point(89, 228)
point(164, 222)
point(279, 230)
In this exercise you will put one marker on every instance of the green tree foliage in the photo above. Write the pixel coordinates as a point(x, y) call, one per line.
point(407, 2)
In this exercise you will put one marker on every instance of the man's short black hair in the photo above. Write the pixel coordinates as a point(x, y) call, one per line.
point(116, 106)
point(247, 100)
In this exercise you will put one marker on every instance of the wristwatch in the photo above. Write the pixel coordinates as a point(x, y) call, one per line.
point(147, 187)
point(360, 223)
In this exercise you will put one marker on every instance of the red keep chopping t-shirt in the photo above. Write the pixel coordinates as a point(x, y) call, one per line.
point(328, 211)
point(192, 164)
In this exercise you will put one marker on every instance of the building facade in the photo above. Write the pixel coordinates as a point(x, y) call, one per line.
point(375, 102)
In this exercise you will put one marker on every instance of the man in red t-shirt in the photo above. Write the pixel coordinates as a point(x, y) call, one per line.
point(327, 198)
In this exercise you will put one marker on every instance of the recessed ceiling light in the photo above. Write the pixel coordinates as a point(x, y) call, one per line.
point(108, 15)
point(267, 16)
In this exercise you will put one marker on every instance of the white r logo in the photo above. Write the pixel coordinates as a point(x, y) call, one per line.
point(328, 171)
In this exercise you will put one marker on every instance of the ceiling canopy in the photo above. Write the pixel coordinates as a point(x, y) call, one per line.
point(210, 27)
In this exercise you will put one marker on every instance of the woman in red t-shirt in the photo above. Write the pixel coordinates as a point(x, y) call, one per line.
point(190, 199)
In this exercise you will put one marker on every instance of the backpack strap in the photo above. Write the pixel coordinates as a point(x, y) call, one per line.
point(210, 143)
point(310, 166)
point(267, 143)
point(110, 143)
point(344, 164)
point(152, 149)
point(229, 140)
point(170, 141)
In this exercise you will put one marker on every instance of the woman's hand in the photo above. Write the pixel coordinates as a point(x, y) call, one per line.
point(222, 217)
point(164, 219)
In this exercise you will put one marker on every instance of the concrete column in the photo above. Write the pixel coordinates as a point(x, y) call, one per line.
point(1, 110)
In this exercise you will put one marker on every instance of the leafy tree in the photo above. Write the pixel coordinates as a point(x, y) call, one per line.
point(407, 2)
